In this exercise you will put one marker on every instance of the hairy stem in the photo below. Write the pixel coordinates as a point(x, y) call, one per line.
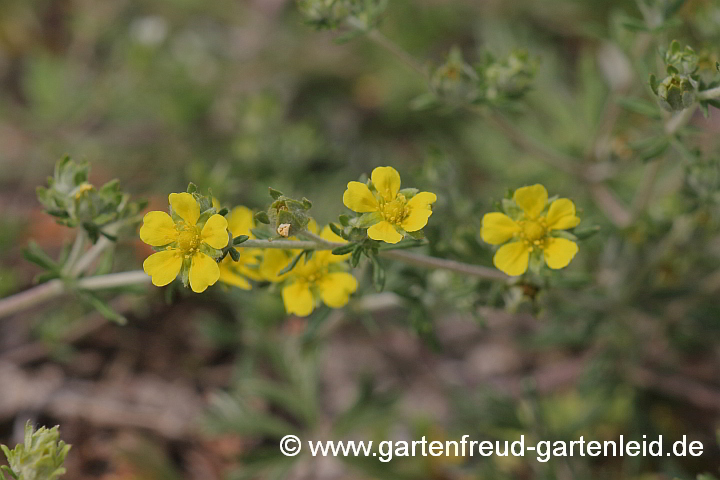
point(55, 288)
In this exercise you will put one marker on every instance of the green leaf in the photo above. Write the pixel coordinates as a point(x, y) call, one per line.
point(234, 254)
point(378, 274)
point(33, 253)
point(336, 230)
point(367, 220)
point(640, 106)
point(262, 217)
point(275, 194)
point(102, 307)
point(345, 249)
point(240, 239)
point(356, 255)
point(292, 264)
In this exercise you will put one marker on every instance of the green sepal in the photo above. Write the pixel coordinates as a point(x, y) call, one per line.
point(275, 194)
point(367, 220)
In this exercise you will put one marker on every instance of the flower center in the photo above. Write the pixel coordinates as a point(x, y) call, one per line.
point(188, 239)
point(395, 210)
point(533, 232)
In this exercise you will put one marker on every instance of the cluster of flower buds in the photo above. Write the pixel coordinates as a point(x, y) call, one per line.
point(491, 81)
point(677, 91)
point(358, 15)
point(286, 216)
point(75, 202)
point(40, 457)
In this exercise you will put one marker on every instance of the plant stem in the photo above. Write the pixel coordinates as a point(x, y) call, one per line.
point(709, 94)
point(398, 52)
point(55, 288)
point(75, 252)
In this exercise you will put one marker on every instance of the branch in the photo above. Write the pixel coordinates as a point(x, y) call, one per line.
point(55, 288)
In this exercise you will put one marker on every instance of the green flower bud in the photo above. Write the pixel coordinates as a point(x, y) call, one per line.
point(675, 93)
point(40, 457)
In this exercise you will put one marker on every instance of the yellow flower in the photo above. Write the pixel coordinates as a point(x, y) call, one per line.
point(189, 245)
point(388, 210)
point(532, 232)
point(321, 278)
point(241, 222)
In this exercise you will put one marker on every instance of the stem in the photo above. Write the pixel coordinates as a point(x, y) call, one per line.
point(443, 264)
point(709, 94)
point(75, 252)
point(398, 52)
point(55, 288)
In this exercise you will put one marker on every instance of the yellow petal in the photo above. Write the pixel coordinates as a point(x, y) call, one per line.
point(272, 262)
point(240, 221)
point(158, 229)
point(386, 181)
point(330, 236)
point(204, 271)
point(531, 199)
point(163, 266)
point(231, 277)
point(214, 233)
point(185, 206)
point(512, 258)
point(298, 299)
point(312, 226)
point(359, 198)
point(384, 232)
point(336, 288)
point(422, 200)
point(417, 219)
point(561, 215)
point(498, 228)
point(559, 252)
point(420, 210)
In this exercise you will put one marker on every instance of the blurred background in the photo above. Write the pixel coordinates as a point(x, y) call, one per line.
point(238, 96)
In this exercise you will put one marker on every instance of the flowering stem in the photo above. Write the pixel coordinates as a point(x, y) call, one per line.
point(75, 252)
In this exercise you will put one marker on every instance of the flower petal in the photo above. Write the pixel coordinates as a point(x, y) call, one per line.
point(512, 258)
point(163, 266)
point(531, 199)
point(229, 275)
point(158, 229)
point(422, 200)
point(417, 219)
point(240, 221)
point(559, 252)
point(273, 261)
point(330, 236)
point(298, 299)
point(204, 271)
point(561, 215)
point(384, 232)
point(185, 205)
point(386, 181)
point(336, 288)
point(498, 228)
point(214, 233)
point(359, 198)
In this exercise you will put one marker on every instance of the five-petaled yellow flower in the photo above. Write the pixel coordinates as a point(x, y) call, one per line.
point(532, 232)
point(241, 222)
point(391, 212)
point(189, 246)
point(323, 277)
